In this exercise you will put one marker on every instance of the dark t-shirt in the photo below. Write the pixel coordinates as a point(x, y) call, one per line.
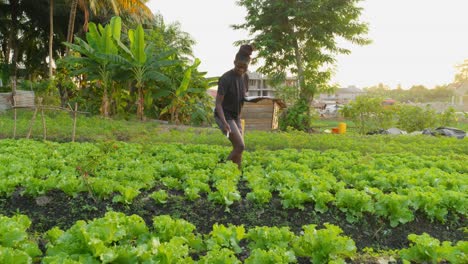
point(233, 86)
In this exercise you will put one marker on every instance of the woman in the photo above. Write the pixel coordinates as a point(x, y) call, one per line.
point(232, 88)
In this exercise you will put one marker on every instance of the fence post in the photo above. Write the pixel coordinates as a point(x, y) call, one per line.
point(74, 122)
point(14, 114)
point(43, 119)
point(33, 119)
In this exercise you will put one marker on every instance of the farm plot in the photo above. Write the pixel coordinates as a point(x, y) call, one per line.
point(339, 201)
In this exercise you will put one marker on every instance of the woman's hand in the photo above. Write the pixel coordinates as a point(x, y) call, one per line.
point(227, 129)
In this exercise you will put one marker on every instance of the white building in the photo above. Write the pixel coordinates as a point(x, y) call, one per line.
point(258, 85)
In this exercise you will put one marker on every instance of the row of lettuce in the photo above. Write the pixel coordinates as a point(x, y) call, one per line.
point(391, 186)
point(118, 238)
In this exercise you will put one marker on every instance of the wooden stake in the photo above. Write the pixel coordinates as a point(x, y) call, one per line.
point(14, 125)
point(14, 115)
point(74, 122)
point(43, 119)
point(33, 120)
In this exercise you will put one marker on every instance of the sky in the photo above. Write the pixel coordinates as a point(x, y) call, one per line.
point(414, 42)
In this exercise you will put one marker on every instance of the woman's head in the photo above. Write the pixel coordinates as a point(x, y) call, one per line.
point(242, 60)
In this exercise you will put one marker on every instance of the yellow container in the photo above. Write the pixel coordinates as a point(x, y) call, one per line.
point(243, 126)
point(342, 128)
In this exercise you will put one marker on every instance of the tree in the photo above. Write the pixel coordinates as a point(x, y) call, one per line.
point(171, 35)
point(301, 37)
point(184, 99)
point(92, 58)
point(462, 74)
point(134, 9)
point(412, 118)
point(143, 63)
point(368, 114)
point(24, 37)
point(51, 38)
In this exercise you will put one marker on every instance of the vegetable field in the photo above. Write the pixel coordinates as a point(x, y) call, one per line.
point(343, 199)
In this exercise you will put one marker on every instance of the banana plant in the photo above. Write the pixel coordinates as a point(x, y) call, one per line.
point(91, 56)
point(143, 64)
point(184, 95)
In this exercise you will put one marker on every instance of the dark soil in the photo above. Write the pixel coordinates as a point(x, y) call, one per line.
point(59, 209)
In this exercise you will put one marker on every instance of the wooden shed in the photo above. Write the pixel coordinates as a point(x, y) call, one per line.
point(21, 99)
point(262, 115)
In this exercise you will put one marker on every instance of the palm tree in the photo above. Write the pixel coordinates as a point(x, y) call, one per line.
point(135, 9)
point(71, 21)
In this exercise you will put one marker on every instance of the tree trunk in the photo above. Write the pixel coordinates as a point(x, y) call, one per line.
point(71, 22)
point(105, 103)
point(51, 37)
point(84, 7)
point(12, 43)
point(140, 106)
point(302, 91)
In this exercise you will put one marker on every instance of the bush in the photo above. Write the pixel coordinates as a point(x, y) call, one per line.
point(413, 118)
point(448, 117)
point(369, 114)
point(296, 117)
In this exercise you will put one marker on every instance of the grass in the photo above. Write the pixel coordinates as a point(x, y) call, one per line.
point(95, 129)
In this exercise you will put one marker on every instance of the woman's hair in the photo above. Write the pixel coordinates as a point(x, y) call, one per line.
point(243, 55)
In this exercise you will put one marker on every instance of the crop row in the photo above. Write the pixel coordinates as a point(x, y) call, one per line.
point(392, 186)
point(118, 238)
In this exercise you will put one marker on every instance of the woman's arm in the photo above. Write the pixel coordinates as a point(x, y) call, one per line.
point(220, 112)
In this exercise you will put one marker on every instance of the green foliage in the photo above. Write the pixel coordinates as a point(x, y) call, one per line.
point(368, 114)
point(118, 238)
point(272, 256)
point(413, 118)
point(96, 240)
point(416, 93)
point(143, 63)
point(159, 196)
point(426, 249)
point(324, 245)
point(16, 246)
point(395, 207)
point(187, 101)
point(354, 203)
point(447, 118)
point(150, 69)
point(267, 238)
point(219, 256)
point(301, 38)
point(298, 37)
point(226, 237)
point(225, 178)
point(296, 117)
point(166, 229)
point(92, 55)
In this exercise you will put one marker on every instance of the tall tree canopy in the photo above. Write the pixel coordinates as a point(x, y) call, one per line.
point(24, 35)
point(301, 36)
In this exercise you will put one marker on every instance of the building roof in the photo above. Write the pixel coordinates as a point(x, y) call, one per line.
point(350, 89)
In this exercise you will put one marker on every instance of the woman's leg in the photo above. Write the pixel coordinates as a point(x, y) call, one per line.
point(237, 142)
